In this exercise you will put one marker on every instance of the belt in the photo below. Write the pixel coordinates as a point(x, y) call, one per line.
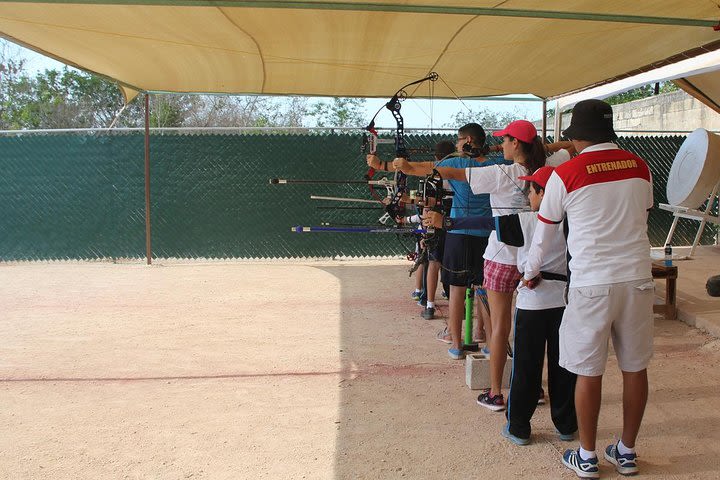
point(553, 276)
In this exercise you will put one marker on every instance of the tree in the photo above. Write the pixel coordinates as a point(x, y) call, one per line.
point(339, 112)
point(70, 98)
point(641, 92)
point(61, 99)
point(168, 111)
point(485, 117)
point(246, 111)
point(12, 67)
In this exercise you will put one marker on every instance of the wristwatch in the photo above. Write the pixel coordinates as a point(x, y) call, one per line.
point(447, 223)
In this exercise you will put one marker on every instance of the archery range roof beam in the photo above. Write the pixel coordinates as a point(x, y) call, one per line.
point(381, 7)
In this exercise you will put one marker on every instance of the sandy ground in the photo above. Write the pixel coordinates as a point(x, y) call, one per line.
point(316, 371)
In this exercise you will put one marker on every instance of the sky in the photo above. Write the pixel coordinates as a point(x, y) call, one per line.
point(417, 113)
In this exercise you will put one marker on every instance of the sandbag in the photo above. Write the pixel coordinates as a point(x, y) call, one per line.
point(713, 286)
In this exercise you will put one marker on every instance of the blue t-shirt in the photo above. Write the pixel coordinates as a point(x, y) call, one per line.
point(465, 203)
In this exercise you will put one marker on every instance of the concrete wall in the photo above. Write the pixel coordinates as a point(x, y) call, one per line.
point(671, 112)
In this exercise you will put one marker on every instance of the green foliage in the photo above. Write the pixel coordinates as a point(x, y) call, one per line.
point(635, 94)
point(170, 110)
point(339, 112)
point(641, 92)
point(70, 98)
point(11, 68)
point(61, 99)
point(485, 117)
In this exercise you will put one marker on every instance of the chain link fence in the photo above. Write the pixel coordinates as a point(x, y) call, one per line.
point(81, 195)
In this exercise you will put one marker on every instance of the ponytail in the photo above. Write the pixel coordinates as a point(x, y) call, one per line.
point(478, 148)
point(534, 154)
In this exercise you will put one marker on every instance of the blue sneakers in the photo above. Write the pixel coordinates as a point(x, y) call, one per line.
point(456, 353)
point(582, 468)
point(566, 437)
point(624, 464)
point(514, 439)
point(415, 295)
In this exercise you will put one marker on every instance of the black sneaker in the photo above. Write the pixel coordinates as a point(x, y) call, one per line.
point(496, 403)
point(428, 313)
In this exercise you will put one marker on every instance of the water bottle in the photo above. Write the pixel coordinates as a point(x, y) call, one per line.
point(668, 255)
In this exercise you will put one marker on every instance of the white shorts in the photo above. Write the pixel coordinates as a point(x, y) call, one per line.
point(593, 314)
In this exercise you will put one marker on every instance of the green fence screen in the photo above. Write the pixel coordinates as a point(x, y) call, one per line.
point(81, 196)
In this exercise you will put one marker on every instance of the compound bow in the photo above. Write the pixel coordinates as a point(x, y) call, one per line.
point(394, 205)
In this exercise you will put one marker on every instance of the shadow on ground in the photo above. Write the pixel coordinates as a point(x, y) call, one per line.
point(406, 413)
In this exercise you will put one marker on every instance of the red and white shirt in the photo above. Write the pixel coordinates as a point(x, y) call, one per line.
point(605, 193)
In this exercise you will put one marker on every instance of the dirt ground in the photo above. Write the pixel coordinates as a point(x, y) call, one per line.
point(287, 370)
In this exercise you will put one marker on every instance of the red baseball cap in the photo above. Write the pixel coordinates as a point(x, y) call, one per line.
point(540, 176)
point(520, 129)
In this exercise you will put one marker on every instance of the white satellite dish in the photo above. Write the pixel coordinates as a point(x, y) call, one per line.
point(695, 170)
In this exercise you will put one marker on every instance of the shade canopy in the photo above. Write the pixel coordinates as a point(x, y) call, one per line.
point(359, 49)
point(705, 87)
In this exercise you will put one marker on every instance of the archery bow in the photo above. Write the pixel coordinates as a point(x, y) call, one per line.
point(395, 194)
point(396, 188)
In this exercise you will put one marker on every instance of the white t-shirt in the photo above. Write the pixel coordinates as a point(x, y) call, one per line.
point(508, 195)
point(548, 293)
point(605, 193)
point(558, 158)
point(518, 230)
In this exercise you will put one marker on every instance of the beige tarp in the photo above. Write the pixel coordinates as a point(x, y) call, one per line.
point(705, 87)
point(354, 48)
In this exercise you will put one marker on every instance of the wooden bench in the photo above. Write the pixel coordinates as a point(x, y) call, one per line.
point(669, 274)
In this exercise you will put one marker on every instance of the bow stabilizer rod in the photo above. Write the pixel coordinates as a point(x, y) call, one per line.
point(396, 230)
point(383, 182)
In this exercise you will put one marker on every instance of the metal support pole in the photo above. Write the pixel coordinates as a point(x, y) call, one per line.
point(148, 249)
point(544, 122)
point(558, 123)
point(671, 232)
point(703, 221)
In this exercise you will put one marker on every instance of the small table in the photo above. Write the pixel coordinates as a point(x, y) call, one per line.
point(669, 274)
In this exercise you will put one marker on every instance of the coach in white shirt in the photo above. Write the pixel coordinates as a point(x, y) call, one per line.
point(604, 193)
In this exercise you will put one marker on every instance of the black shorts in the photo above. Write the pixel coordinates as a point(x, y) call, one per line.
point(463, 259)
point(435, 254)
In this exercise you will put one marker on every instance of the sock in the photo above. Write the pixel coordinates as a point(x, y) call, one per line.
point(430, 304)
point(417, 291)
point(586, 455)
point(623, 450)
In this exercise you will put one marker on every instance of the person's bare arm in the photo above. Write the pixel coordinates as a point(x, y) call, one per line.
point(450, 173)
point(555, 146)
point(415, 169)
point(378, 165)
point(422, 169)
